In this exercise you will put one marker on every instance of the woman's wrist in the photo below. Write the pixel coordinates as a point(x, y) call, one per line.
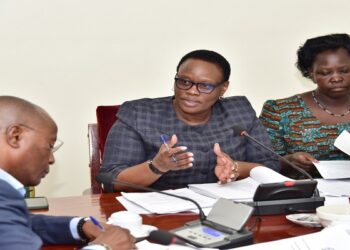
point(155, 169)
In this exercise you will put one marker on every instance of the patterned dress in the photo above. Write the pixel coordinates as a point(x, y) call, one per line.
point(292, 128)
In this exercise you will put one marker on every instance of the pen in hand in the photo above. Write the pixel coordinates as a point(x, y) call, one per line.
point(97, 223)
point(162, 137)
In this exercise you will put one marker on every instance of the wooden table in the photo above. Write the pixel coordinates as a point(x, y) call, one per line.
point(267, 228)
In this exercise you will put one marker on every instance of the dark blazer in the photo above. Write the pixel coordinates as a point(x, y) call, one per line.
point(23, 231)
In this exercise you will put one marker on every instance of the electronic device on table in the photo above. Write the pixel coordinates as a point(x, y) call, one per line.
point(223, 227)
point(37, 203)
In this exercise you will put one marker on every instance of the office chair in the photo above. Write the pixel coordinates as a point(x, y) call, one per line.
point(97, 135)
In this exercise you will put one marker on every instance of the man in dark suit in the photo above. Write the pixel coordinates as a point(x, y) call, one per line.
point(27, 142)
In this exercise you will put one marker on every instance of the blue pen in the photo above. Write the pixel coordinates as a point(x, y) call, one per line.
point(97, 223)
point(162, 137)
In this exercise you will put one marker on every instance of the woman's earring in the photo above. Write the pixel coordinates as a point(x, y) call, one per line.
point(221, 98)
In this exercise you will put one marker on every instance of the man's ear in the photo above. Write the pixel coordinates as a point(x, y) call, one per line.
point(14, 135)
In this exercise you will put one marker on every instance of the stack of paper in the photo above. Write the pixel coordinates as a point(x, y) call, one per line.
point(160, 204)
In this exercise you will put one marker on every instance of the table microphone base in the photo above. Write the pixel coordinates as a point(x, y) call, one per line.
point(223, 228)
point(199, 235)
point(287, 206)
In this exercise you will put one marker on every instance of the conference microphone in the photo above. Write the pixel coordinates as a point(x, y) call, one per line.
point(165, 238)
point(223, 228)
point(242, 132)
point(107, 179)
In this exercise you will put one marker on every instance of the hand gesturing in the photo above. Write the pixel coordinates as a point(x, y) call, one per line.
point(226, 170)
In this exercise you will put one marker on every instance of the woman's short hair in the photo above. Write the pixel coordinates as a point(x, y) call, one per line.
point(314, 46)
point(209, 56)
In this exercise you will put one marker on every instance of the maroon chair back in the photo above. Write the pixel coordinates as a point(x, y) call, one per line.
point(97, 135)
point(106, 116)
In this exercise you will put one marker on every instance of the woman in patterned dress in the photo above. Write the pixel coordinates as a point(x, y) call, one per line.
point(303, 127)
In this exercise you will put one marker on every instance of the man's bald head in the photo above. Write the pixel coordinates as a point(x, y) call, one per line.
point(27, 137)
point(14, 110)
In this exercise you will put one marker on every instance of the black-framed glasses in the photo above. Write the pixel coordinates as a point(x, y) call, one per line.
point(205, 88)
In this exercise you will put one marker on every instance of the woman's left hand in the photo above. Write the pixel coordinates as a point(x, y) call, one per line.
point(226, 170)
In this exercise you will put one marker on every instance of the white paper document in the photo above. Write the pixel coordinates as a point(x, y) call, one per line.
point(241, 190)
point(332, 200)
point(331, 238)
point(334, 187)
point(343, 142)
point(237, 190)
point(130, 206)
point(333, 169)
point(160, 204)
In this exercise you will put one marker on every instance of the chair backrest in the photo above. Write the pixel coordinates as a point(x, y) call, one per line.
point(106, 116)
point(97, 135)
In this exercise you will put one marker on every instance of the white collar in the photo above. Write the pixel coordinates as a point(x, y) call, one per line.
point(12, 181)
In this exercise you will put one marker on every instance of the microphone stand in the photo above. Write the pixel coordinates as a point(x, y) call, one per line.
point(300, 170)
point(283, 205)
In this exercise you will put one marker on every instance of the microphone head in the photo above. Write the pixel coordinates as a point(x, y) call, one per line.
point(238, 130)
point(105, 178)
point(164, 238)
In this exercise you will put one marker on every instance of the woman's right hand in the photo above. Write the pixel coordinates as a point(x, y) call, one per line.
point(173, 158)
point(303, 160)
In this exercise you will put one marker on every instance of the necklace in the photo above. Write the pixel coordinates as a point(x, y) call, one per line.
point(327, 110)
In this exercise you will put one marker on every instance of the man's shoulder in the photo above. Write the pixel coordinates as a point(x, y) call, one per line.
point(7, 190)
point(11, 200)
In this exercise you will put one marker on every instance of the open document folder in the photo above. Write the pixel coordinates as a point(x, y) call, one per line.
point(241, 190)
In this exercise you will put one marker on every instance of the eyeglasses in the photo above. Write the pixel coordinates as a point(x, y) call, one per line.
point(58, 143)
point(53, 147)
point(205, 88)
